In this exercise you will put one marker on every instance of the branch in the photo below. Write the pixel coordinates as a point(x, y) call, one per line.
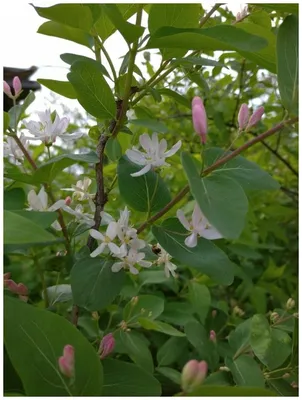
point(240, 77)
point(214, 166)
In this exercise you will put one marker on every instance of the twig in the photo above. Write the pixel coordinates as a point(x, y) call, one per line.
point(240, 77)
point(209, 14)
point(214, 166)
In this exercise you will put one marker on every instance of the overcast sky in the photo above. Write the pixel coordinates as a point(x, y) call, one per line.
point(25, 47)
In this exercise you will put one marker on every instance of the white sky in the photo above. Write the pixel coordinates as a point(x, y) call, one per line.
point(25, 47)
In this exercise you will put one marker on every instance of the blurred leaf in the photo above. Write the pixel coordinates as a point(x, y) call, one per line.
point(93, 92)
point(42, 218)
point(220, 198)
point(113, 149)
point(6, 119)
point(128, 379)
point(94, 285)
point(205, 257)
point(176, 96)
point(200, 298)
point(160, 327)
point(150, 124)
point(170, 373)
point(59, 294)
point(287, 63)
point(14, 199)
point(143, 193)
point(32, 334)
point(171, 351)
point(61, 87)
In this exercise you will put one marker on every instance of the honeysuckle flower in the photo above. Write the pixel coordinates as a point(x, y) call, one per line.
point(193, 375)
point(17, 288)
point(106, 240)
point(129, 259)
point(290, 304)
point(213, 336)
point(255, 118)
point(17, 86)
point(67, 361)
point(39, 202)
point(199, 118)
point(80, 189)
point(155, 153)
point(243, 117)
point(80, 215)
point(11, 148)
point(47, 130)
point(106, 346)
point(164, 258)
point(198, 226)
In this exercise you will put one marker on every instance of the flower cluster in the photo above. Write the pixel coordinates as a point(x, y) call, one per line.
point(17, 86)
point(155, 153)
point(12, 149)
point(246, 122)
point(197, 226)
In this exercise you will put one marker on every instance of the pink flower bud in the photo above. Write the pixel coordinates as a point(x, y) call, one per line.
point(243, 116)
point(213, 336)
point(6, 276)
point(199, 117)
point(106, 346)
point(255, 118)
point(7, 90)
point(68, 200)
point(17, 85)
point(66, 362)
point(193, 374)
point(19, 288)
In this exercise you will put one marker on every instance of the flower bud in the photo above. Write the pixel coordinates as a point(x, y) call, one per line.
point(286, 375)
point(17, 85)
point(106, 346)
point(68, 200)
point(274, 317)
point(243, 117)
point(193, 374)
point(6, 276)
point(255, 118)
point(7, 90)
point(66, 362)
point(199, 118)
point(290, 304)
point(213, 336)
point(214, 313)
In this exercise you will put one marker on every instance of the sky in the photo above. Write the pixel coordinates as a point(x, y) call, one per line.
point(26, 47)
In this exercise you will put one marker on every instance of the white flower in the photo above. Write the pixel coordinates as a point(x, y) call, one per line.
point(199, 225)
point(155, 153)
point(105, 239)
point(126, 233)
point(164, 258)
point(38, 202)
point(11, 148)
point(80, 191)
point(80, 215)
point(47, 131)
point(242, 13)
point(129, 259)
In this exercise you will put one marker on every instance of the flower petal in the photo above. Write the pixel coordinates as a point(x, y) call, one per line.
point(145, 264)
point(98, 250)
point(58, 204)
point(173, 149)
point(183, 220)
point(191, 241)
point(43, 197)
point(133, 270)
point(56, 226)
point(34, 201)
point(197, 216)
point(112, 230)
point(96, 234)
point(211, 233)
point(114, 248)
point(145, 142)
point(136, 157)
point(116, 267)
point(142, 171)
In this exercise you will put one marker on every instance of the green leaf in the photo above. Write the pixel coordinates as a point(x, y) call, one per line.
point(171, 351)
point(113, 149)
point(146, 193)
point(173, 15)
point(50, 169)
point(12, 382)
point(14, 199)
point(151, 124)
point(160, 327)
point(15, 226)
point(61, 87)
point(205, 257)
point(291, 8)
point(176, 96)
point(52, 28)
point(287, 63)
point(129, 31)
point(144, 306)
point(74, 15)
point(16, 113)
point(70, 58)
point(232, 391)
point(206, 62)
point(282, 388)
point(6, 119)
point(247, 173)
point(221, 378)
point(265, 57)
point(239, 339)
point(93, 92)
point(246, 371)
point(42, 218)
point(221, 199)
point(170, 373)
point(126, 379)
point(200, 298)
point(178, 313)
point(260, 336)
point(220, 37)
point(39, 336)
point(59, 294)
point(137, 350)
point(94, 285)
point(279, 349)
